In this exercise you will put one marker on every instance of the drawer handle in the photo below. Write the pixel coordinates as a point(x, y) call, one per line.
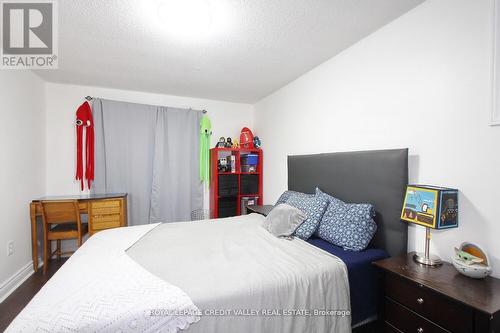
point(420, 300)
point(420, 330)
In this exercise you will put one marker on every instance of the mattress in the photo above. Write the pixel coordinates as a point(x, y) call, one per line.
point(362, 277)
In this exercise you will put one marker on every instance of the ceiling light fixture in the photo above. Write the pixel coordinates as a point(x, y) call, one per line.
point(185, 18)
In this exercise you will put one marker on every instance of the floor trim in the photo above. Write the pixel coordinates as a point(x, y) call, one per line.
point(12, 283)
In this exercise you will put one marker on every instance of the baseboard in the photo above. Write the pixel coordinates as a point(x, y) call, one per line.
point(12, 283)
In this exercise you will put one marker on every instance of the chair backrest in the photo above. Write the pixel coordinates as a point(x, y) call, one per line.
point(60, 211)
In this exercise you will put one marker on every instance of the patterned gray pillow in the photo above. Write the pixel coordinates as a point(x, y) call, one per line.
point(314, 207)
point(350, 226)
point(283, 220)
point(287, 194)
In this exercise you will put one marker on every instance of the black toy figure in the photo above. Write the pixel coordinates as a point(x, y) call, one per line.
point(221, 143)
point(229, 142)
point(256, 142)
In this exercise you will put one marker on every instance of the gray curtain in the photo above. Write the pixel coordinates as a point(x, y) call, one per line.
point(151, 153)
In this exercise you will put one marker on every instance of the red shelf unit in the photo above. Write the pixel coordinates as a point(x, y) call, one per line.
point(215, 198)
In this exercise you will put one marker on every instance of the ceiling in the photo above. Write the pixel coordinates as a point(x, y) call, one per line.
point(249, 48)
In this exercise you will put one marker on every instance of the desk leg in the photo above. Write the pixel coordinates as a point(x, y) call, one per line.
point(34, 245)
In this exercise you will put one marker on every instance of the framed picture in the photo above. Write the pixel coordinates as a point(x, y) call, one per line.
point(495, 107)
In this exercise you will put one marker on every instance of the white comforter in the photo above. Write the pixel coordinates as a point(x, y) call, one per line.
point(243, 279)
point(101, 289)
point(223, 265)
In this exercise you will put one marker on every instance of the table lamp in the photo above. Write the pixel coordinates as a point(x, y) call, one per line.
point(432, 207)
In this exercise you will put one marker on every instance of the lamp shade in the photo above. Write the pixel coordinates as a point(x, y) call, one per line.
point(431, 206)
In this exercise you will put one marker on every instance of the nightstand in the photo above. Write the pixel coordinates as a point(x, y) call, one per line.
point(263, 209)
point(421, 299)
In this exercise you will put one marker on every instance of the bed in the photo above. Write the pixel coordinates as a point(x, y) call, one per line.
point(165, 277)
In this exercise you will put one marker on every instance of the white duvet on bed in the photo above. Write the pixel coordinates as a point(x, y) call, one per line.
point(190, 268)
point(232, 264)
point(101, 289)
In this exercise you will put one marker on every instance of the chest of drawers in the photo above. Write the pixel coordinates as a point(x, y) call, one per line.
point(421, 299)
point(106, 214)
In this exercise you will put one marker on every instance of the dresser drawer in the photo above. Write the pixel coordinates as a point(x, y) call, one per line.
point(100, 222)
point(105, 204)
point(439, 309)
point(106, 210)
point(388, 328)
point(407, 321)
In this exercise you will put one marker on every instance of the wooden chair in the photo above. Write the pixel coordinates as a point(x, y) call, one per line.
point(61, 220)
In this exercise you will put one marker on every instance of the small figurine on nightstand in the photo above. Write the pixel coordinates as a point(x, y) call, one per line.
point(471, 261)
point(229, 142)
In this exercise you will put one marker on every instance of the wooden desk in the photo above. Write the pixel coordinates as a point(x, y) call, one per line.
point(105, 211)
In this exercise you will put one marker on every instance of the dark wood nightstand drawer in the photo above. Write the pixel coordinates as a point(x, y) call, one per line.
point(407, 321)
point(439, 309)
point(440, 295)
point(388, 328)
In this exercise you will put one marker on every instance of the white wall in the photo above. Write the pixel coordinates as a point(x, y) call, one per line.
point(63, 100)
point(430, 69)
point(22, 169)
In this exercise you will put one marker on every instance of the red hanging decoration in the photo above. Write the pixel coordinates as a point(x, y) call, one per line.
point(85, 121)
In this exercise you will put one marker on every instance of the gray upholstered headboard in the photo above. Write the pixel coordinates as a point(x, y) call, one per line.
point(378, 177)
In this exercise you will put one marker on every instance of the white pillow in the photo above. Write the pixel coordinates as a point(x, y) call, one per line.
point(283, 219)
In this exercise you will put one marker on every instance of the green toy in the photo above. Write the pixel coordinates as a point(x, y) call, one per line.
point(468, 258)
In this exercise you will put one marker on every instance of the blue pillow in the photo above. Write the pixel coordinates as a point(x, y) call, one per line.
point(314, 207)
point(350, 226)
point(287, 194)
point(331, 200)
point(325, 196)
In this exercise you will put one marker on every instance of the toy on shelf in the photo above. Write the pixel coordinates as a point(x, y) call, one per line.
point(221, 143)
point(256, 142)
point(246, 141)
point(471, 261)
point(246, 138)
point(236, 144)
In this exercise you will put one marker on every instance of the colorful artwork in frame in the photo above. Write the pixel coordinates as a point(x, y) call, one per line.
point(431, 206)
